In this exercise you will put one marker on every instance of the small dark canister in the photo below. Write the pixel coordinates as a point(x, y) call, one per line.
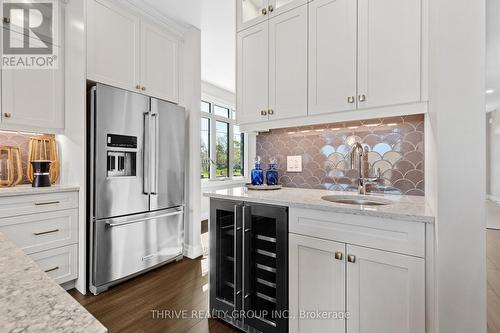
point(41, 173)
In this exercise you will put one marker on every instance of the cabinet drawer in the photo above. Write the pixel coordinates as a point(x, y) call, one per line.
point(379, 233)
point(44, 231)
point(37, 203)
point(60, 264)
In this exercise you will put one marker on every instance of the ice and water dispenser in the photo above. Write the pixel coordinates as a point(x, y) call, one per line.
point(122, 156)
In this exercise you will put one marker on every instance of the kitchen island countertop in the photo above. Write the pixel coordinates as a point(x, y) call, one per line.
point(30, 301)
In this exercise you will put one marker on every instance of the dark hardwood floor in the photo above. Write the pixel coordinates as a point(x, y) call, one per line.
point(128, 307)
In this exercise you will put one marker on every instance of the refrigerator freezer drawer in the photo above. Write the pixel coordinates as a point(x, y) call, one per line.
point(128, 245)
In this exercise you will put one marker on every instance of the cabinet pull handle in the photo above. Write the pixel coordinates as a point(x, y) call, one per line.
point(7, 114)
point(270, 112)
point(362, 98)
point(351, 258)
point(43, 203)
point(338, 255)
point(264, 11)
point(351, 99)
point(263, 113)
point(270, 8)
point(45, 232)
point(52, 269)
point(6, 20)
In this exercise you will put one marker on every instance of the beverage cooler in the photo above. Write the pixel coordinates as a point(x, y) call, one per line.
point(249, 265)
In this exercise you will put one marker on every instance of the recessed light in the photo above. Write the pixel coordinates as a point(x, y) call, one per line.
point(490, 91)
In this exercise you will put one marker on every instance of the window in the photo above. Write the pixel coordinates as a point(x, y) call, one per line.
point(222, 143)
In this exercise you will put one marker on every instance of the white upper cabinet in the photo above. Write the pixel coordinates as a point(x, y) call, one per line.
point(252, 74)
point(397, 281)
point(112, 45)
point(33, 99)
point(276, 7)
point(316, 283)
point(159, 63)
point(389, 52)
point(332, 56)
point(288, 64)
point(250, 12)
point(127, 51)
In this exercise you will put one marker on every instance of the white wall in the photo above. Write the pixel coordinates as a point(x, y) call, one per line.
point(456, 172)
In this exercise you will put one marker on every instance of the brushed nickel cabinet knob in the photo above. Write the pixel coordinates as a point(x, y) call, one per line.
point(7, 115)
point(351, 258)
point(362, 98)
point(263, 113)
point(6, 20)
point(339, 255)
point(143, 88)
point(270, 112)
point(264, 11)
point(270, 8)
point(138, 86)
point(351, 99)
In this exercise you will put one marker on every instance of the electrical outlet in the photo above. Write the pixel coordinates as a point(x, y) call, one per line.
point(294, 163)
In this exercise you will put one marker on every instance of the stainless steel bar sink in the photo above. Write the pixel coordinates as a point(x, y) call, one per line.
point(356, 200)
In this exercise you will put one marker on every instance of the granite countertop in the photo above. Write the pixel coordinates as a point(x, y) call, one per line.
point(28, 189)
point(30, 301)
point(407, 208)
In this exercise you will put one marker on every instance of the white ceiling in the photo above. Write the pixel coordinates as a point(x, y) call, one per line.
point(216, 20)
point(492, 54)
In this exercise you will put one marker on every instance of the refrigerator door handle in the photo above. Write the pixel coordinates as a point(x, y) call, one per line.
point(154, 184)
point(111, 224)
point(146, 189)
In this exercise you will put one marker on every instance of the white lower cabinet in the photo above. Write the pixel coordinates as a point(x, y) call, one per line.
point(385, 292)
point(59, 263)
point(316, 282)
point(379, 291)
point(45, 227)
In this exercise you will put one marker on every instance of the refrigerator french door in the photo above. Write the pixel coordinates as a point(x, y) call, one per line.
point(136, 183)
point(249, 265)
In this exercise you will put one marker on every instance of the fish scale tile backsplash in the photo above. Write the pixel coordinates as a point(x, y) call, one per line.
point(396, 147)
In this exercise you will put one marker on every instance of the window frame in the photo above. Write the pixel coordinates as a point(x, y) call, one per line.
point(213, 142)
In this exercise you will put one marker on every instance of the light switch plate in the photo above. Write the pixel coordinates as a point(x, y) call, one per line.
point(294, 163)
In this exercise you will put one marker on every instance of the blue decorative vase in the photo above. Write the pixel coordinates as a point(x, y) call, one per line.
point(257, 173)
point(272, 174)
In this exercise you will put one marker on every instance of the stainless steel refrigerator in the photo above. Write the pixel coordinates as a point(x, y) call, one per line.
point(136, 180)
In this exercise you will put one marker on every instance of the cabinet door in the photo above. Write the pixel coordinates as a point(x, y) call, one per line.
point(225, 255)
point(252, 74)
point(389, 52)
point(33, 98)
point(317, 283)
point(112, 45)
point(277, 7)
point(288, 64)
point(385, 292)
point(265, 267)
point(159, 63)
point(250, 12)
point(332, 56)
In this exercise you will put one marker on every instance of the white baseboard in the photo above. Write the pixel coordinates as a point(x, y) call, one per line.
point(493, 198)
point(192, 252)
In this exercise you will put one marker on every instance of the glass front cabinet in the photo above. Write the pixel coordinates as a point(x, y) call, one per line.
point(249, 265)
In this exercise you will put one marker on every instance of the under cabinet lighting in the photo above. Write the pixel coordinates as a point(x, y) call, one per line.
point(490, 91)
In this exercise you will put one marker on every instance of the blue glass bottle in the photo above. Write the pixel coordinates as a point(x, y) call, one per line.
point(272, 173)
point(257, 174)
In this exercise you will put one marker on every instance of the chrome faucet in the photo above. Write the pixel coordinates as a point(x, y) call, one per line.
point(359, 152)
